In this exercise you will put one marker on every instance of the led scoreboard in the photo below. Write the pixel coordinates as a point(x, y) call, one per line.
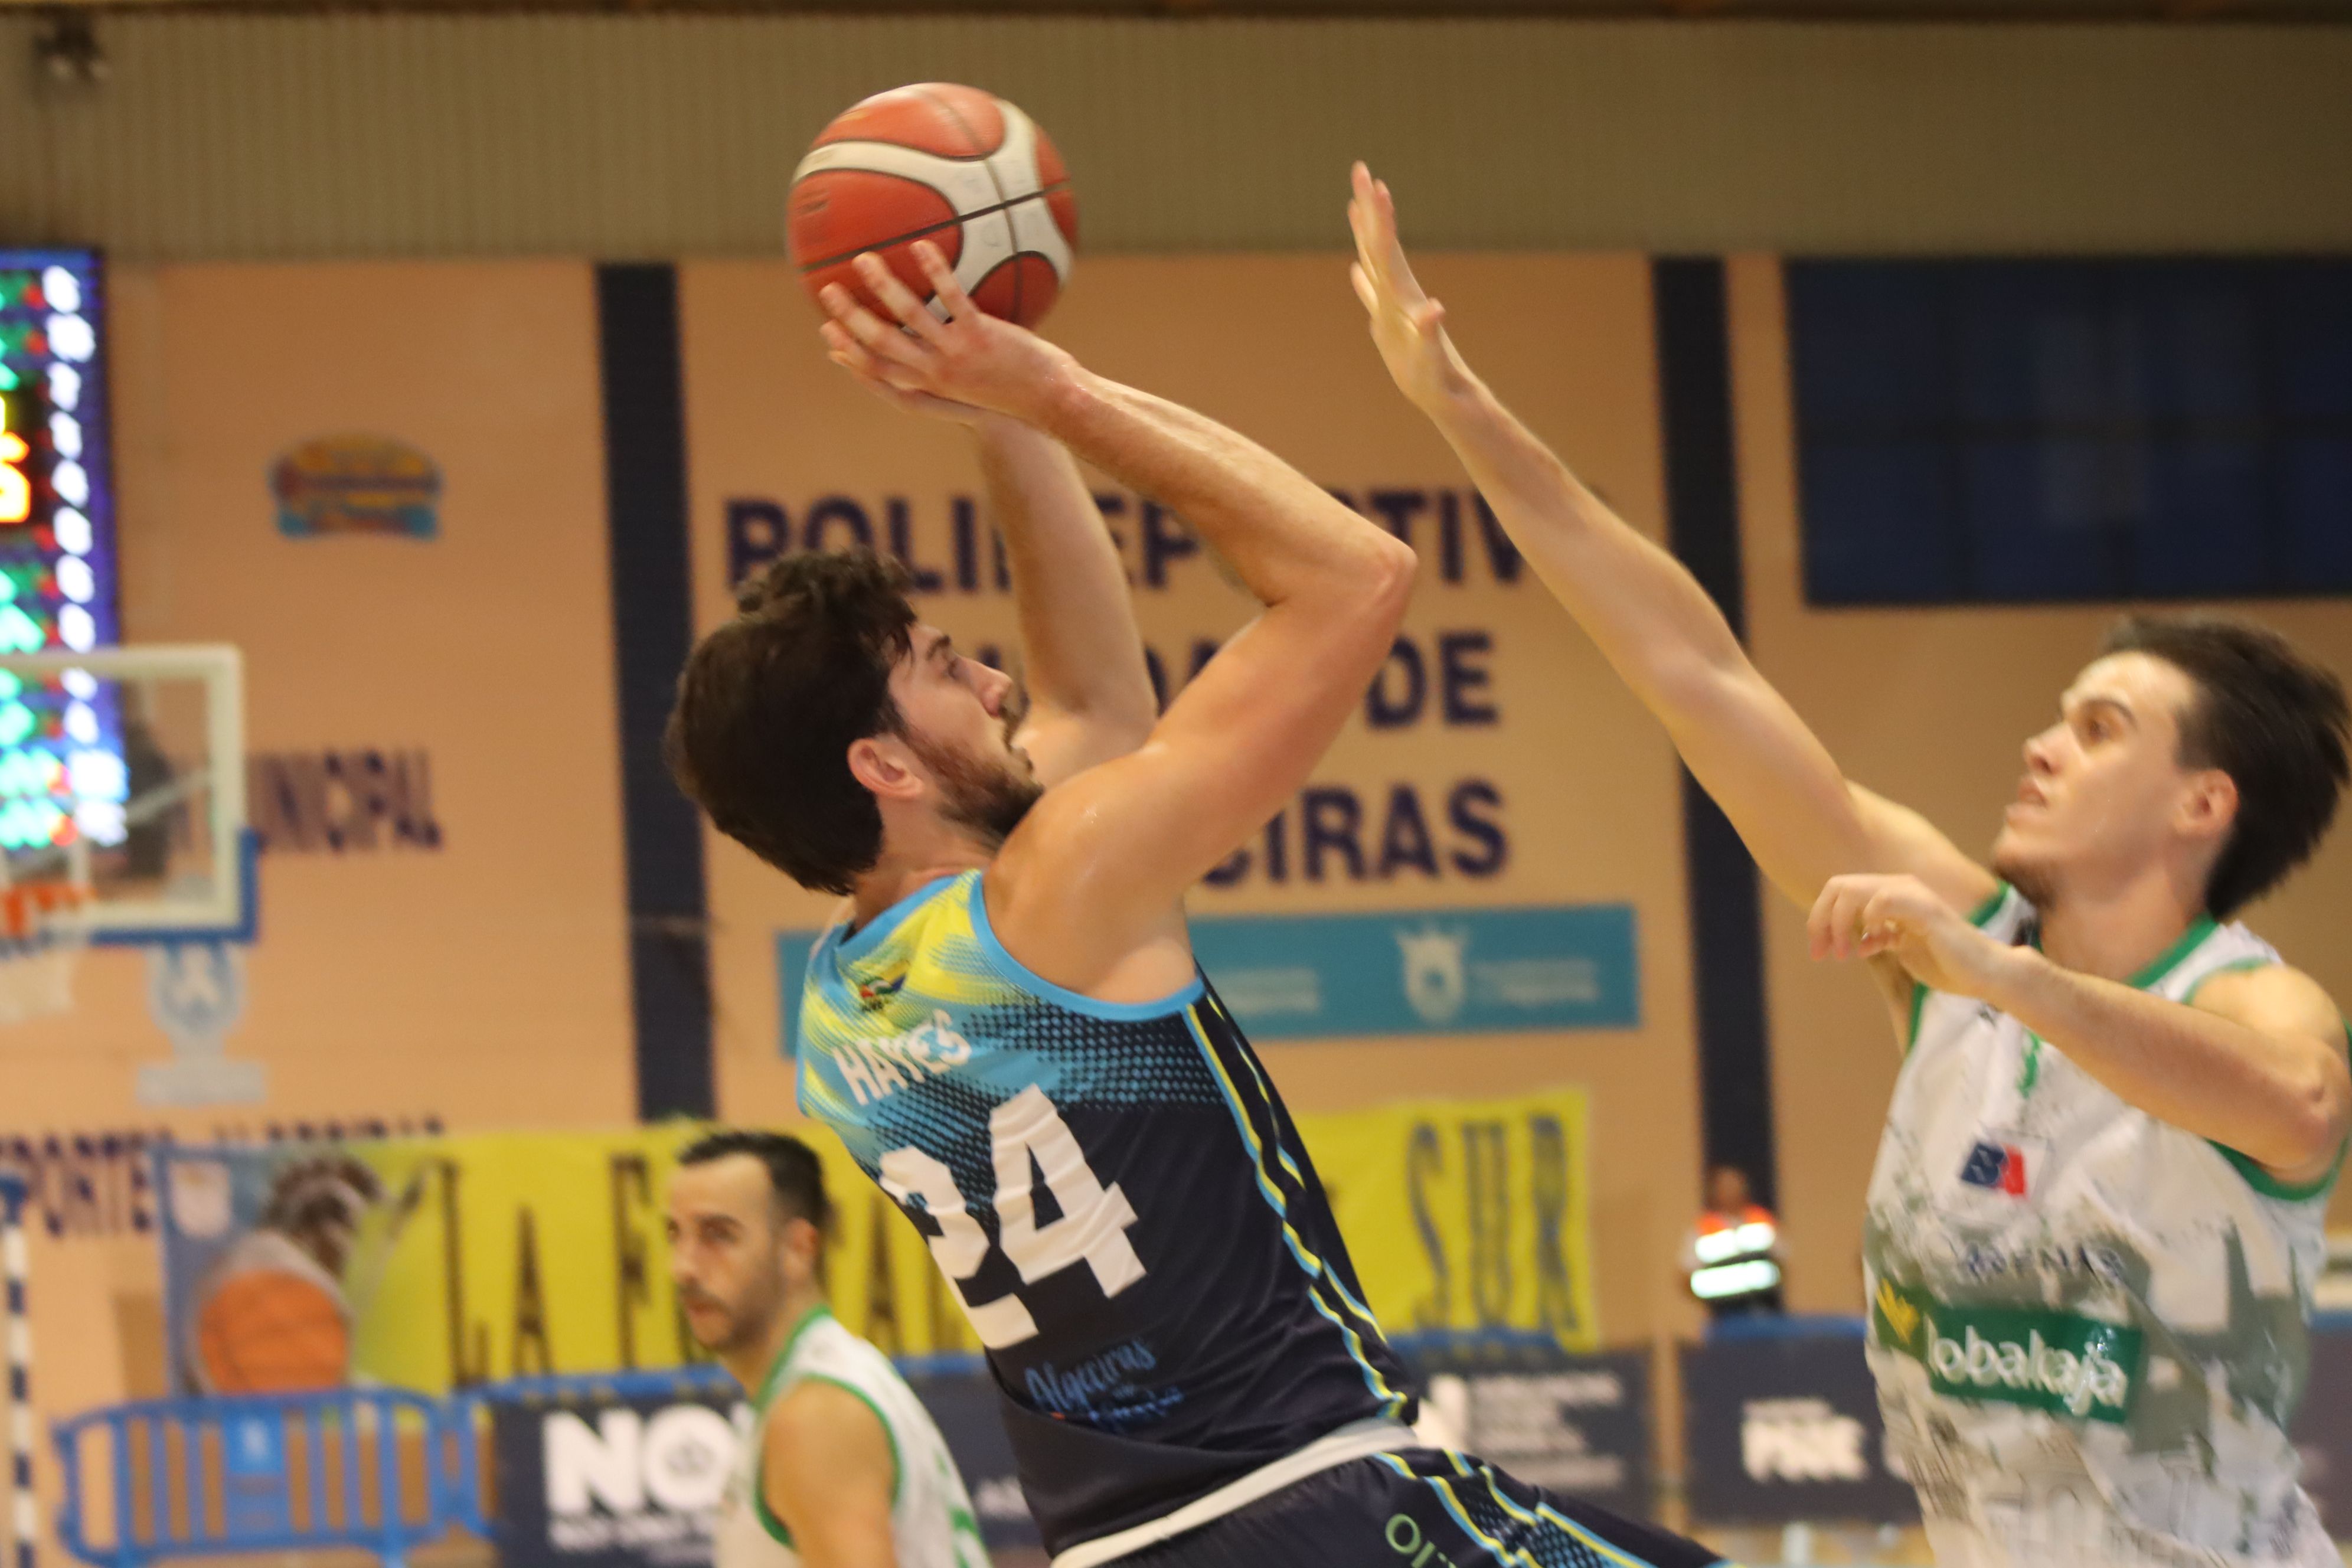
point(61, 755)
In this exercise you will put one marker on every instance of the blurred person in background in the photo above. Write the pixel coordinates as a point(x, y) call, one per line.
point(843, 1468)
point(1731, 1257)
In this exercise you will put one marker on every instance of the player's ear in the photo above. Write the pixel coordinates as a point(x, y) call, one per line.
point(886, 767)
point(2208, 805)
point(804, 1246)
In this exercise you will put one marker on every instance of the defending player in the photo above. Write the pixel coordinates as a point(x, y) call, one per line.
point(1006, 1026)
point(845, 1468)
point(2095, 1218)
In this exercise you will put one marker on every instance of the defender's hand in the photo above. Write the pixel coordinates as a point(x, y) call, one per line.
point(1408, 326)
point(1900, 916)
point(970, 359)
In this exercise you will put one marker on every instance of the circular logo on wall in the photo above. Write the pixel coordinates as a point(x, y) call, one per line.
point(195, 992)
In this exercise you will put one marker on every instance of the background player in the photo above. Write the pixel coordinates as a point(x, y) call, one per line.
point(844, 1469)
point(1189, 1372)
point(2097, 1209)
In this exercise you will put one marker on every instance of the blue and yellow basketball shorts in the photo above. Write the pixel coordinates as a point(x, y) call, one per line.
point(1421, 1508)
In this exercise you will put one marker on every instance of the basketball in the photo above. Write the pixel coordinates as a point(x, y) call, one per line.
point(263, 1331)
point(954, 165)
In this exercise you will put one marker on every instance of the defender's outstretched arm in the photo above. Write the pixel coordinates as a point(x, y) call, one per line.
point(1648, 615)
point(1100, 867)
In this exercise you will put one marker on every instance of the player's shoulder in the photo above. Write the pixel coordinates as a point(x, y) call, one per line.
point(2264, 993)
point(1049, 866)
point(815, 1418)
point(823, 1448)
point(1064, 822)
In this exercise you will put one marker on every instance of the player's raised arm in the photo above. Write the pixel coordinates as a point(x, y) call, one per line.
point(1090, 693)
point(1648, 615)
point(1103, 863)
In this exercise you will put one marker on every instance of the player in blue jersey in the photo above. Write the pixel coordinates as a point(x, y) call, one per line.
point(1005, 1024)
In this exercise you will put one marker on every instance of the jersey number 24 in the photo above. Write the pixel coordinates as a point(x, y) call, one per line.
point(1092, 1229)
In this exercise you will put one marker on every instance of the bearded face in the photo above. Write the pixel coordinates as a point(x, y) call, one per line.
point(988, 796)
point(728, 1252)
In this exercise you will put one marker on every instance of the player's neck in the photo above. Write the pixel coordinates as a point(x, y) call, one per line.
point(752, 1363)
point(893, 877)
point(2117, 931)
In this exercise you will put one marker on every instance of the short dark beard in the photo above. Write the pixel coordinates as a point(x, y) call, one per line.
point(747, 1321)
point(988, 801)
point(2033, 882)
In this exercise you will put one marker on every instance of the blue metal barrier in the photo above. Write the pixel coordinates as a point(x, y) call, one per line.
point(703, 1377)
point(203, 1477)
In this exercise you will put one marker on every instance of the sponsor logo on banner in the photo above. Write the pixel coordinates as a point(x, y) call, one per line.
point(1569, 1423)
point(1457, 972)
point(600, 1480)
point(1433, 981)
point(649, 1479)
point(356, 484)
point(1782, 1425)
point(1801, 1440)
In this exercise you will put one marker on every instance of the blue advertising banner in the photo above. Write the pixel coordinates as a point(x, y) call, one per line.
point(626, 1472)
point(1577, 1424)
point(629, 1471)
point(1781, 1423)
point(1415, 971)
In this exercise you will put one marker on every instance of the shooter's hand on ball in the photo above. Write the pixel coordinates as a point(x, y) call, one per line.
point(1901, 917)
point(1407, 325)
point(970, 359)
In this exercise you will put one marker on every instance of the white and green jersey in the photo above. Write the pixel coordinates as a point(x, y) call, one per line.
point(931, 1520)
point(2088, 1326)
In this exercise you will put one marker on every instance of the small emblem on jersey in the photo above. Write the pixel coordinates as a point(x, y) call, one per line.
point(1899, 1315)
point(1997, 1167)
point(874, 993)
point(1434, 979)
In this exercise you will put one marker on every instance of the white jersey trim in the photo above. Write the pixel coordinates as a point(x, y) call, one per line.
point(1355, 1440)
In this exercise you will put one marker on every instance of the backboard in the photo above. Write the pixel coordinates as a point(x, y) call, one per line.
point(123, 772)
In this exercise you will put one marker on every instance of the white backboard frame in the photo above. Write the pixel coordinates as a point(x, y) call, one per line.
point(226, 913)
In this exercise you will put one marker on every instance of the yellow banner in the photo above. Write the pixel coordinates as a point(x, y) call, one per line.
point(1464, 1215)
point(515, 1254)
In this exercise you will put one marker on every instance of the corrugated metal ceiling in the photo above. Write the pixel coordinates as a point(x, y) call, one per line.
point(2304, 12)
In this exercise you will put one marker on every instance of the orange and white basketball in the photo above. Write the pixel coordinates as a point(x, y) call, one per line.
point(267, 1331)
point(954, 165)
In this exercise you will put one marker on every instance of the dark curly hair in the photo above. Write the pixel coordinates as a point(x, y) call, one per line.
point(770, 703)
point(2272, 720)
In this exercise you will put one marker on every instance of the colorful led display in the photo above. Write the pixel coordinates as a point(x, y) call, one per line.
point(62, 772)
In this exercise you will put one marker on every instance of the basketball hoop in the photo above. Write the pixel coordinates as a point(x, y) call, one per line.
point(40, 943)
